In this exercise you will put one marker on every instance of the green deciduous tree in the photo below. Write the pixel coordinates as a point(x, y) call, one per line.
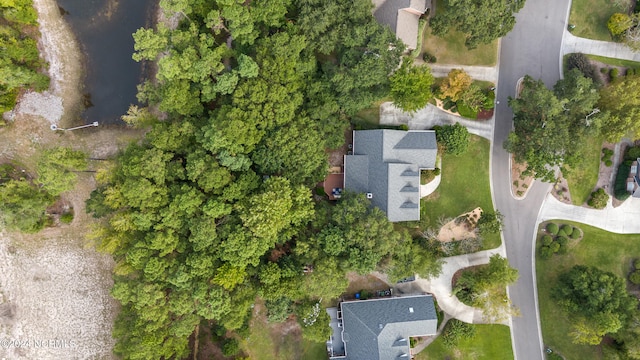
point(56, 169)
point(623, 104)
point(411, 86)
point(454, 138)
point(455, 84)
point(598, 299)
point(23, 206)
point(481, 21)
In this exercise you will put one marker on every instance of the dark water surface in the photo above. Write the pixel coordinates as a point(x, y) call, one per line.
point(104, 28)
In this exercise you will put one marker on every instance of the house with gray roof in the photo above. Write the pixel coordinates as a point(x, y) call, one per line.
point(379, 329)
point(402, 16)
point(386, 165)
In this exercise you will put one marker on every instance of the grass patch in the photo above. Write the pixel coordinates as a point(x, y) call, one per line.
point(605, 250)
point(583, 178)
point(450, 48)
point(463, 187)
point(491, 342)
point(615, 62)
point(590, 18)
point(368, 118)
point(267, 342)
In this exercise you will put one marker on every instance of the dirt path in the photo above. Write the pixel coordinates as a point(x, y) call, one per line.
point(55, 300)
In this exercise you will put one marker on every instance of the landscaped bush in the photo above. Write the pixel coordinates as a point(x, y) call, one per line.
point(567, 229)
point(635, 277)
point(561, 233)
point(575, 234)
point(608, 162)
point(581, 62)
point(552, 228)
point(598, 199)
point(555, 246)
point(633, 153)
point(456, 330)
point(620, 186)
point(546, 252)
point(613, 73)
point(427, 57)
point(546, 240)
point(562, 240)
point(466, 111)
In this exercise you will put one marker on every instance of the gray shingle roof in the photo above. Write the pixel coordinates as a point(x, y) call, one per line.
point(402, 17)
point(380, 329)
point(387, 163)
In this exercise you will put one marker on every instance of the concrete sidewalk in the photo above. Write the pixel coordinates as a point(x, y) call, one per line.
point(621, 220)
point(441, 286)
point(574, 44)
point(486, 73)
point(430, 116)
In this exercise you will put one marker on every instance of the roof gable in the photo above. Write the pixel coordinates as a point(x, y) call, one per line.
point(380, 329)
point(391, 171)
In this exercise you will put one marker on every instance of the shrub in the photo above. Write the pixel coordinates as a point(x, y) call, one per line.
point(561, 233)
point(546, 252)
point(454, 138)
point(230, 347)
point(563, 249)
point(575, 234)
point(633, 153)
point(66, 218)
point(608, 162)
point(547, 240)
point(436, 171)
point(619, 23)
point(581, 62)
point(567, 229)
point(404, 127)
point(604, 70)
point(554, 247)
point(613, 73)
point(620, 186)
point(598, 199)
point(635, 277)
point(552, 228)
point(636, 264)
point(456, 330)
point(466, 111)
point(562, 240)
point(630, 72)
point(427, 57)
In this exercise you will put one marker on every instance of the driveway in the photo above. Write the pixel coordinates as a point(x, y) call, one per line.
point(430, 116)
point(533, 47)
point(486, 73)
point(622, 219)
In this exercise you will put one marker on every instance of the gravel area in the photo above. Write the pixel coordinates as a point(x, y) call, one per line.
point(55, 300)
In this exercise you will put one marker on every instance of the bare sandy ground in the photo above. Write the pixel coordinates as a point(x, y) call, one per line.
point(55, 298)
point(452, 231)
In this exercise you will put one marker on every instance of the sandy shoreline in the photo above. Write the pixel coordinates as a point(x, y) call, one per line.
point(55, 300)
point(58, 46)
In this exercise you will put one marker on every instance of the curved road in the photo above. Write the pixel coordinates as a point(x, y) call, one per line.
point(533, 47)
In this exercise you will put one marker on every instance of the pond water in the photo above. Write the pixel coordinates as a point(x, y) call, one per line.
point(104, 28)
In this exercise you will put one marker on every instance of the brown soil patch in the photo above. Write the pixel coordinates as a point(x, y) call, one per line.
point(519, 182)
point(459, 228)
point(485, 114)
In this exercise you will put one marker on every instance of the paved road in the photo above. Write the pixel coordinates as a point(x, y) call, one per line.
point(533, 47)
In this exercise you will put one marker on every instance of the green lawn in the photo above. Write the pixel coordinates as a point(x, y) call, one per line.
point(368, 118)
point(265, 342)
point(584, 176)
point(492, 342)
point(609, 252)
point(450, 48)
point(615, 62)
point(464, 186)
point(590, 18)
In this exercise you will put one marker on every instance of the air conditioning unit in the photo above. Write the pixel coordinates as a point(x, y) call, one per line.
point(369, 195)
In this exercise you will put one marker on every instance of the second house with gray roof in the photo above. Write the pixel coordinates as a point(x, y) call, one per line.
point(386, 165)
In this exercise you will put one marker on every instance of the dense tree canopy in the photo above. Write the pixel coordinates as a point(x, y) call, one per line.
point(482, 21)
point(411, 86)
point(622, 101)
point(214, 207)
point(550, 125)
point(598, 299)
point(20, 62)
